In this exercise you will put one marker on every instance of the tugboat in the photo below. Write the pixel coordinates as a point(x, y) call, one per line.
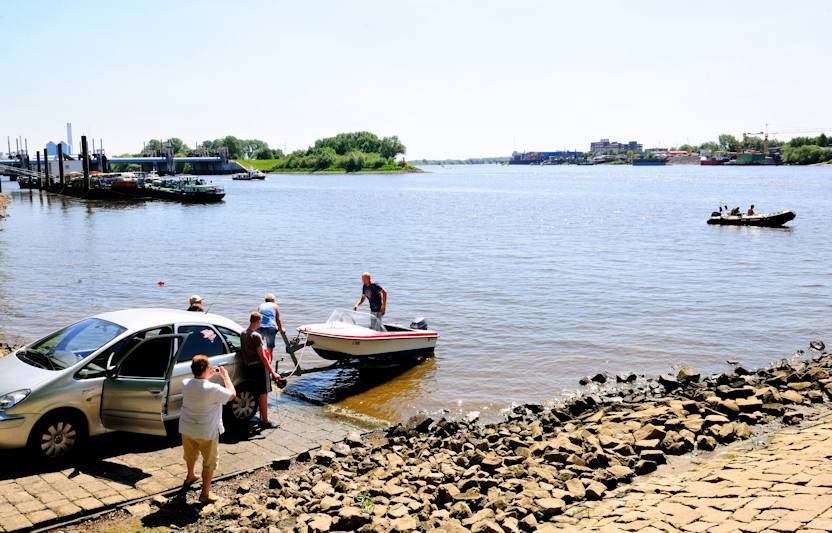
point(185, 189)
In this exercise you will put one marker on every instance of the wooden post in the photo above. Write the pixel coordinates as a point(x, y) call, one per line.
point(86, 161)
point(40, 183)
point(61, 164)
point(46, 169)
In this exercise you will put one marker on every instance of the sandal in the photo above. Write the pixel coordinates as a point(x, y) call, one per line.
point(209, 498)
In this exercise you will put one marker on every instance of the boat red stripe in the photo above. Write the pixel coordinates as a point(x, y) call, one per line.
point(388, 336)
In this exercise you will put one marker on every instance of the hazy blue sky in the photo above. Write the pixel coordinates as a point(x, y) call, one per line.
point(452, 79)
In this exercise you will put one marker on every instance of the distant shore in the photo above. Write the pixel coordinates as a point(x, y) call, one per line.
point(413, 170)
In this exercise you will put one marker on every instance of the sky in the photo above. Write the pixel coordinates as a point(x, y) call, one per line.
point(453, 79)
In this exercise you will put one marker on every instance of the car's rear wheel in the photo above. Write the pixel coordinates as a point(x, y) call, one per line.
point(58, 436)
point(243, 407)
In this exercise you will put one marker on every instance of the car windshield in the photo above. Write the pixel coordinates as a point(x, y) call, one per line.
point(67, 346)
point(365, 320)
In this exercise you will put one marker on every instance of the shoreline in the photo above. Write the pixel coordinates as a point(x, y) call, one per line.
point(391, 172)
point(520, 474)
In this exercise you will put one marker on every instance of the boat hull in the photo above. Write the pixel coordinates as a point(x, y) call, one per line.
point(772, 220)
point(187, 197)
point(379, 347)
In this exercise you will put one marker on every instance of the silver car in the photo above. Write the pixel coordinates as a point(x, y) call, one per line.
point(121, 370)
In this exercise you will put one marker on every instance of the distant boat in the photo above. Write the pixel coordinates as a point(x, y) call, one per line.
point(185, 189)
point(767, 220)
point(252, 174)
point(649, 161)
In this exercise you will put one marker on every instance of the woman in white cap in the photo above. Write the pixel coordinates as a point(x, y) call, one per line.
point(196, 304)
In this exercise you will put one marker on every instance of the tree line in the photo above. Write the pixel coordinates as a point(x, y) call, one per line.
point(347, 151)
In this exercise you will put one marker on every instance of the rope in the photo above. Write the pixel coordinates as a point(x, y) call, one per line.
point(298, 359)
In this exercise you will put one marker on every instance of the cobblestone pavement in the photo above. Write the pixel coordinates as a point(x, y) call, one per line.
point(780, 484)
point(121, 467)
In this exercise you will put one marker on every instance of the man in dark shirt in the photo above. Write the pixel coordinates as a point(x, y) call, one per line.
point(375, 294)
point(257, 367)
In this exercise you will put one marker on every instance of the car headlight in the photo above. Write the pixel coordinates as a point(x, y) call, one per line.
point(13, 398)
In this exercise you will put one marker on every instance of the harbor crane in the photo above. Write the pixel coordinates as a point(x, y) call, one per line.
point(766, 133)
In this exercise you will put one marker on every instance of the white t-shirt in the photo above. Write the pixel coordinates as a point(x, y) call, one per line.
point(202, 403)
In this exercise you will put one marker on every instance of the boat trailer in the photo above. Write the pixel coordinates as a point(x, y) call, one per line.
point(296, 344)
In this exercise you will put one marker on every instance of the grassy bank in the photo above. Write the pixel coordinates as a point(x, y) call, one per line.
point(264, 165)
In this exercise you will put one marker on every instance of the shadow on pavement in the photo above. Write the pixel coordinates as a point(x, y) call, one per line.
point(92, 460)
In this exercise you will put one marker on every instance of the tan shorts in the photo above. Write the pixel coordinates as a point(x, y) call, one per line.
point(208, 449)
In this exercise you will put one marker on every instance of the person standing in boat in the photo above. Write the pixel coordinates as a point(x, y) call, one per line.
point(750, 210)
point(257, 367)
point(270, 323)
point(375, 294)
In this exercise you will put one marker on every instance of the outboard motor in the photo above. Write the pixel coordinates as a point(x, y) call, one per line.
point(419, 323)
point(716, 214)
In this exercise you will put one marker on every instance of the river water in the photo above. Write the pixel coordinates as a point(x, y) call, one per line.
point(533, 276)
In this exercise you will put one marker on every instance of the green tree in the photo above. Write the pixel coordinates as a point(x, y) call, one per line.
point(727, 142)
point(264, 153)
point(822, 140)
point(354, 161)
point(390, 147)
point(323, 158)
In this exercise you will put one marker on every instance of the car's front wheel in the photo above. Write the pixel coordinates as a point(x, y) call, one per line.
point(58, 435)
point(243, 407)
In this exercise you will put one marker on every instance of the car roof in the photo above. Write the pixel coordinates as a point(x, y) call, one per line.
point(148, 317)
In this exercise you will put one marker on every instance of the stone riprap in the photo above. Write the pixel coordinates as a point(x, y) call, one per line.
point(524, 473)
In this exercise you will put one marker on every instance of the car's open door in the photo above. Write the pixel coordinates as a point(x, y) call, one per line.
point(135, 393)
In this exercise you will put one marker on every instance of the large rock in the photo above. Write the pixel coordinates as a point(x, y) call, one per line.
point(792, 396)
point(404, 524)
point(281, 463)
point(706, 443)
point(575, 489)
point(817, 345)
point(626, 377)
point(354, 440)
point(320, 523)
point(324, 457)
point(486, 526)
point(418, 423)
point(351, 518)
point(551, 506)
point(595, 490)
point(669, 382)
point(643, 466)
point(687, 375)
point(649, 432)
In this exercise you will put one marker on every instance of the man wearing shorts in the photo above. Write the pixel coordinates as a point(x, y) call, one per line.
point(201, 421)
point(257, 368)
point(270, 322)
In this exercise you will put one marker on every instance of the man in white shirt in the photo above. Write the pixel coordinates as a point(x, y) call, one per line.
point(201, 421)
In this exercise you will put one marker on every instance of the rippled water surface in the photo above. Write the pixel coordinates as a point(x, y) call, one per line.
point(533, 276)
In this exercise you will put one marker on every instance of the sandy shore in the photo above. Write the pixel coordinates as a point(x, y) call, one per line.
point(526, 473)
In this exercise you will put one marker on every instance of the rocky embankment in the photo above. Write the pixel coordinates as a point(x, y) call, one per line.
point(517, 474)
point(6, 348)
point(4, 203)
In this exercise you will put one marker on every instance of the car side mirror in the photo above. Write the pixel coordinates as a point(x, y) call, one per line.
point(110, 372)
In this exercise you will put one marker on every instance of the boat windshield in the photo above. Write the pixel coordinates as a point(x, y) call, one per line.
point(66, 347)
point(364, 320)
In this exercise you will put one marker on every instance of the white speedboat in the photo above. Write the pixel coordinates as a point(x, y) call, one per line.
point(252, 174)
point(354, 335)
